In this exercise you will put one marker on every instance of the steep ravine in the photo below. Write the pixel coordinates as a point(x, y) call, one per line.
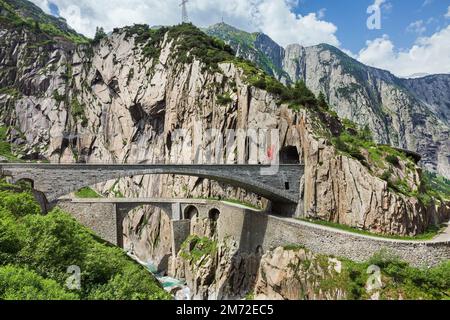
point(111, 103)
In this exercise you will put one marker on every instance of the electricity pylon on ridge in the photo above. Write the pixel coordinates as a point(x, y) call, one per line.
point(184, 12)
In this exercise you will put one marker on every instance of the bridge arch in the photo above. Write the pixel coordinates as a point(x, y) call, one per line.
point(28, 181)
point(214, 214)
point(190, 212)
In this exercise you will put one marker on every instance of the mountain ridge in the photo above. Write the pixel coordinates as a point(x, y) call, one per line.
point(120, 99)
point(397, 112)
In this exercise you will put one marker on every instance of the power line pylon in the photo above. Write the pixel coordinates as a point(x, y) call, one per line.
point(184, 13)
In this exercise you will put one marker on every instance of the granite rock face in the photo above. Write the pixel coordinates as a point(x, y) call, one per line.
point(221, 274)
point(296, 275)
point(409, 113)
point(227, 273)
point(109, 103)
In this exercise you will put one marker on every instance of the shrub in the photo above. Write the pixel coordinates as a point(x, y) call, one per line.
point(19, 204)
point(300, 94)
point(18, 283)
point(195, 248)
point(383, 258)
point(47, 245)
point(9, 237)
point(392, 159)
point(322, 102)
point(77, 111)
point(129, 284)
point(53, 242)
point(386, 175)
point(58, 97)
point(224, 99)
point(99, 35)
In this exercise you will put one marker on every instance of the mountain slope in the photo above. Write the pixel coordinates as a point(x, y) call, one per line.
point(404, 113)
point(122, 98)
point(256, 47)
point(24, 13)
point(434, 90)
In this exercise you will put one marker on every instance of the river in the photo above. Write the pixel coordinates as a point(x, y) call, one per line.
point(176, 287)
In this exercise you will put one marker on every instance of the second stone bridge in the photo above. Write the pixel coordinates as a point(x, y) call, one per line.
point(280, 184)
point(105, 216)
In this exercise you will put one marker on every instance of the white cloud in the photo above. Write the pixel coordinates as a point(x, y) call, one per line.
point(417, 27)
point(447, 15)
point(378, 3)
point(44, 4)
point(285, 27)
point(273, 17)
point(321, 13)
point(428, 55)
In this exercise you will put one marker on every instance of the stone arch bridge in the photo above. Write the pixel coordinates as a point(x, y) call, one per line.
point(281, 185)
point(105, 216)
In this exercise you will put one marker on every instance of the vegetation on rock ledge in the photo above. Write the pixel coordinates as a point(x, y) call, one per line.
point(195, 249)
point(398, 280)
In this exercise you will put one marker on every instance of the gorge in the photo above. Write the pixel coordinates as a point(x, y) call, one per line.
point(121, 98)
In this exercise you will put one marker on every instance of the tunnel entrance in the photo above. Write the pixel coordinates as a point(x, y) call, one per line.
point(190, 212)
point(289, 155)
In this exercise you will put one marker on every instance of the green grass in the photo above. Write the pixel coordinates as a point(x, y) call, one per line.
point(87, 193)
point(428, 235)
point(232, 201)
point(242, 203)
point(398, 279)
point(194, 248)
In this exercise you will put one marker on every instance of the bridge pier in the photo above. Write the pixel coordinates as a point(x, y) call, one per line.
point(180, 230)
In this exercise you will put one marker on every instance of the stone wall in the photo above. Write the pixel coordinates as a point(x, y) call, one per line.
point(99, 217)
point(254, 230)
point(257, 231)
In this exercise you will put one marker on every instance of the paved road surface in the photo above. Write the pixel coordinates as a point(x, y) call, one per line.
point(445, 235)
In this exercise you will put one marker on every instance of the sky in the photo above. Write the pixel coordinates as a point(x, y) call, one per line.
point(406, 37)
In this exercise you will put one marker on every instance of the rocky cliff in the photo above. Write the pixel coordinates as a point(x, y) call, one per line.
point(434, 91)
point(411, 114)
point(122, 98)
point(217, 270)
